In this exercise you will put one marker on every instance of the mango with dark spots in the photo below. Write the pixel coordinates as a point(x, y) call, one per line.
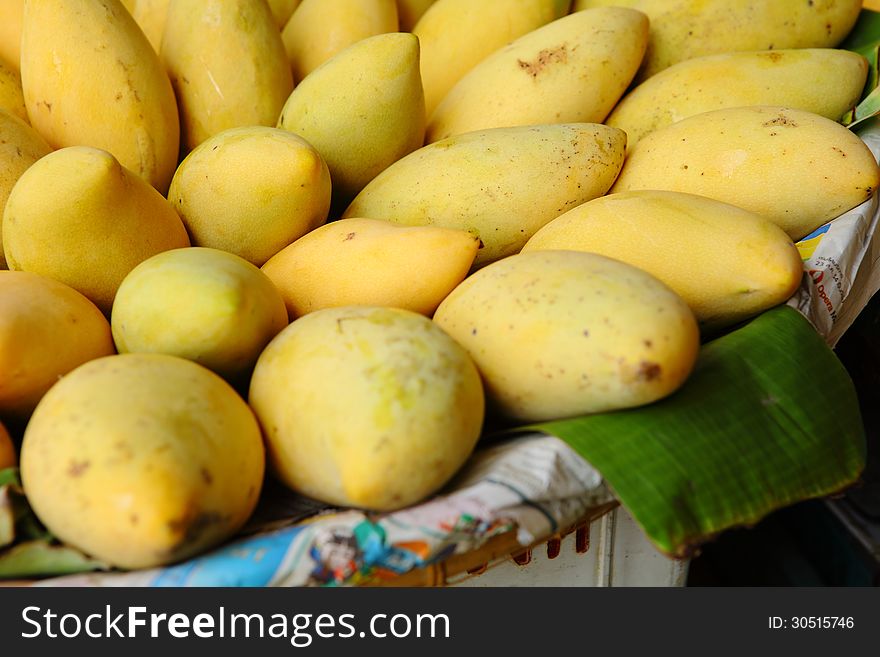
point(142, 460)
point(566, 333)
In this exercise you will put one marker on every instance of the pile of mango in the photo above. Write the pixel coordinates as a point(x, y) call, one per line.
point(334, 236)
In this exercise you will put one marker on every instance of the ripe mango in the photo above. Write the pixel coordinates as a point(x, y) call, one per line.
point(80, 217)
point(571, 70)
point(142, 460)
point(455, 35)
point(562, 333)
point(151, 16)
point(319, 30)
point(251, 191)
point(820, 80)
point(500, 185)
point(726, 263)
point(795, 168)
point(360, 129)
point(369, 407)
point(20, 147)
point(46, 330)
point(684, 29)
point(410, 11)
point(205, 305)
point(11, 17)
point(282, 10)
point(227, 64)
point(11, 95)
point(91, 78)
point(368, 262)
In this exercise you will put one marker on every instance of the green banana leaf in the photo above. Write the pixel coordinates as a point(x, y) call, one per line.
point(26, 547)
point(865, 40)
point(769, 417)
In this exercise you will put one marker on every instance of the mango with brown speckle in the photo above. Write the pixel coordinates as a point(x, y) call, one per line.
point(572, 70)
point(684, 29)
point(456, 35)
point(793, 167)
point(501, 185)
point(142, 460)
point(559, 334)
point(91, 78)
point(824, 81)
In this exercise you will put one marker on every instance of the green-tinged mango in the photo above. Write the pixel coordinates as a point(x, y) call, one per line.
point(369, 407)
point(361, 129)
point(201, 304)
point(251, 191)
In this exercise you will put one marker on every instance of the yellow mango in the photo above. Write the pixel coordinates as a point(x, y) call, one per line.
point(410, 11)
point(282, 10)
point(319, 30)
point(8, 457)
point(91, 78)
point(227, 65)
point(369, 262)
point(11, 16)
point(360, 129)
point(684, 29)
point(726, 263)
point(142, 460)
point(819, 80)
point(46, 330)
point(201, 304)
point(562, 333)
point(500, 185)
point(795, 168)
point(572, 70)
point(80, 217)
point(20, 147)
point(369, 407)
point(455, 35)
point(251, 191)
point(151, 16)
point(11, 95)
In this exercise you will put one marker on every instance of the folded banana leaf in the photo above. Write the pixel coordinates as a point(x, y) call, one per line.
point(768, 418)
point(865, 40)
point(27, 549)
